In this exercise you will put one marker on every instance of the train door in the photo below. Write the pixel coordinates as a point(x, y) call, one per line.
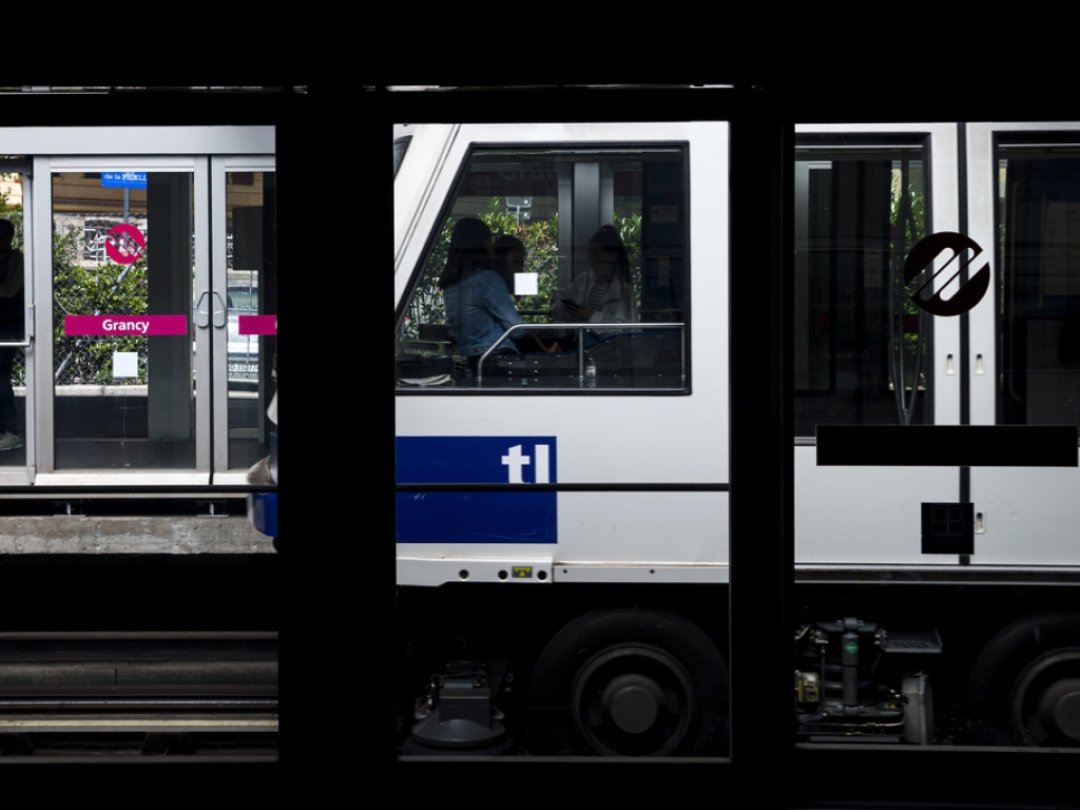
point(1024, 358)
point(863, 354)
point(150, 269)
point(1014, 190)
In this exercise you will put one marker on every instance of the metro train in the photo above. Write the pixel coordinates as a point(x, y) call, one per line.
point(562, 515)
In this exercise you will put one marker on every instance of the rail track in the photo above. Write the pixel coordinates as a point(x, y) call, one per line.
point(121, 693)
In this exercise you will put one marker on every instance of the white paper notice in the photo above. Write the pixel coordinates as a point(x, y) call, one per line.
point(526, 283)
point(125, 364)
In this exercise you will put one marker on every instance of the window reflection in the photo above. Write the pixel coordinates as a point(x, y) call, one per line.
point(861, 346)
point(598, 299)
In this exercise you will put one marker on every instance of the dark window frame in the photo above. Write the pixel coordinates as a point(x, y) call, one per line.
point(591, 149)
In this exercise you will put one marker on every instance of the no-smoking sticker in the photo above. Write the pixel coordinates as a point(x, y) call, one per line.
point(124, 244)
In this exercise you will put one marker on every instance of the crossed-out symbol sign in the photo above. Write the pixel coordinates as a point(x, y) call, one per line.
point(928, 249)
point(124, 244)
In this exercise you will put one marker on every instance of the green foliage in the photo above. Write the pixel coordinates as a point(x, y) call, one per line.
point(913, 213)
point(106, 288)
point(541, 240)
point(15, 214)
point(907, 225)
point(426, 304)
point(629, 228)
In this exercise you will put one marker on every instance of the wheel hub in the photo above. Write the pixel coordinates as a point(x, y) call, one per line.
point(1060, 707)
point(632, 702)
point(634, 699)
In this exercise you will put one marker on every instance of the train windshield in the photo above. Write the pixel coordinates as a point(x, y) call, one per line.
point(580, 254)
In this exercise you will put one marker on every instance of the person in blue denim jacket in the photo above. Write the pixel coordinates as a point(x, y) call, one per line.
point(478, 304)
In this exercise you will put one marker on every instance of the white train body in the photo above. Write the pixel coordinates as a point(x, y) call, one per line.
point(632, 472)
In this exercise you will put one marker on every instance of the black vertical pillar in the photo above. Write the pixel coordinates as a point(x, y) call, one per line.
point(762, 172)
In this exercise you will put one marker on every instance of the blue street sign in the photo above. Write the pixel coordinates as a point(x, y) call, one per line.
point(123, 179)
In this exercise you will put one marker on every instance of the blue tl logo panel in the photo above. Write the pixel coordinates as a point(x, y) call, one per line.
point(476, 517)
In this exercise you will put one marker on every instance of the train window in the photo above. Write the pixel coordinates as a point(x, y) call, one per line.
point(580, 254)
point(861, 347)
point(1038, 214)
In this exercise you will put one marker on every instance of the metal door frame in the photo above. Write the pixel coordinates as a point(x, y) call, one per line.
point(72, 149)
point(220, 167)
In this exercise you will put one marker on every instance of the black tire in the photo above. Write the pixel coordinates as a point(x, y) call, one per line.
point(633, 683)
point(1026, 664)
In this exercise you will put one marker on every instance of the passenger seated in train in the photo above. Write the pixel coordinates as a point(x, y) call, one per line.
point(478, 304)
point(509, 259)
point(604, 293)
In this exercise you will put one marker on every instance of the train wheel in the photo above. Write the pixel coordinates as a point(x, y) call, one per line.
point(1028, 676)
point(633, 683)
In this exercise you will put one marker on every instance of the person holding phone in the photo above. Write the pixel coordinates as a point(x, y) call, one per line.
point(604, 293)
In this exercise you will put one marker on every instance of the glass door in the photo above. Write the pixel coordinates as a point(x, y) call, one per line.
point(130, 373)
point(240, 313)
point(16, 324)
point(1024, 367)
point(163, 320)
